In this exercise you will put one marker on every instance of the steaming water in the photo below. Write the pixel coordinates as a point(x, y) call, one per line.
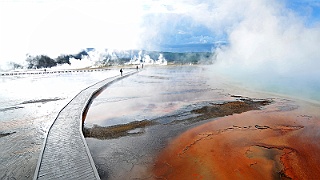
point(301, 88)
point(160, 91)
point(160, 94)
point(302, 84)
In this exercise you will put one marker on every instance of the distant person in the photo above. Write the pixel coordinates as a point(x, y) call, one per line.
point(142, 66)
point(121, 71)
point(137, 68)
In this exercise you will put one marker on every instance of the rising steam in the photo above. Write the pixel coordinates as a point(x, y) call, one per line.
point(269, 46)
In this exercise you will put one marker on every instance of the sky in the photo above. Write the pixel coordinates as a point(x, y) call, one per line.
point(55, 27)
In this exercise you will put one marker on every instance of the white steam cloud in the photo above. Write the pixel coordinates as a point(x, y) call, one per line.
point(262, 35)
point(269, 45)
point(273, 38)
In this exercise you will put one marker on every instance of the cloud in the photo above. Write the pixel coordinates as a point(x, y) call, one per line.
point(56, 27)
point(173, 29)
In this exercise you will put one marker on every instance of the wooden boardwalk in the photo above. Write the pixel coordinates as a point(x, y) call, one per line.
point(65, 154)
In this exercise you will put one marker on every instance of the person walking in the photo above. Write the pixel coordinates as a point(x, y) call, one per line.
point(121, 71)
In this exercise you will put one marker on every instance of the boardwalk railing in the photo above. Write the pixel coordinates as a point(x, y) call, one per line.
point(65, 154)
point(19, 73)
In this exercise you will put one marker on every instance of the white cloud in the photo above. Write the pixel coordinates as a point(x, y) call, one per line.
point(55, 27)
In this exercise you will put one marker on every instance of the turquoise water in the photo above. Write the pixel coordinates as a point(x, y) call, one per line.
point(300, 85)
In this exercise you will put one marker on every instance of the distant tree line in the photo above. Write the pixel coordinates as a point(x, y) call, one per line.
point(44, 61)
point(117, 58)
point(185, 57)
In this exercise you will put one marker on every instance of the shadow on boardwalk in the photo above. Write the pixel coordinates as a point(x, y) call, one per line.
point(65, 154)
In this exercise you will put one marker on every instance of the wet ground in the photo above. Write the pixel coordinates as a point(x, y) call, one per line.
point(279, 142)
point(204, 111)
point(28, 106)
point(181, 122)
point(157, 97)
point(171, 126)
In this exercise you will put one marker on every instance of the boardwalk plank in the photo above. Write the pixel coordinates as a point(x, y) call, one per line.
point(65, 154)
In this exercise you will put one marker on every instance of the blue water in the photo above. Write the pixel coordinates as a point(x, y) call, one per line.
point(301, 85)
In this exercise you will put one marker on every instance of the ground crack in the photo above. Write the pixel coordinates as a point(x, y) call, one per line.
point(283, 128)
point(206, 135)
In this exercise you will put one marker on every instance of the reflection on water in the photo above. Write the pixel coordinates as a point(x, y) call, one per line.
point(151, 93)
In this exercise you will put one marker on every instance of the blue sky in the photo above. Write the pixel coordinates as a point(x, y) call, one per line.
point(184, 28)
point(54, 27)
point(310, 9)
point(175, 30)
